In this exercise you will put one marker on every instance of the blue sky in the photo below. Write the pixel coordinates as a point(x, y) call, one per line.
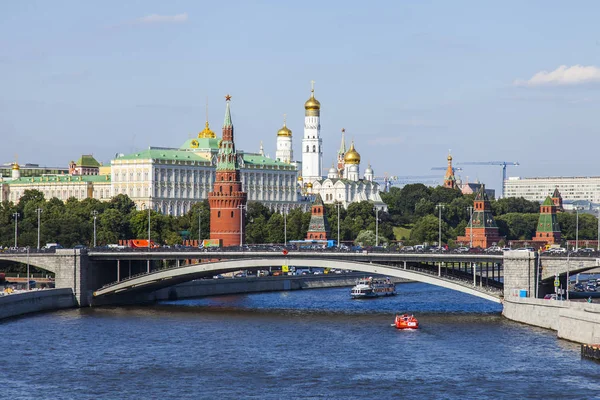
point(407, 79)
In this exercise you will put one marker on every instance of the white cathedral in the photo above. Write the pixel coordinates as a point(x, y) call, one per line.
point(342, 185)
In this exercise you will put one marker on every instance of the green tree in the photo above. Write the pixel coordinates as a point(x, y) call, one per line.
point(427, 230)
point(365, 238)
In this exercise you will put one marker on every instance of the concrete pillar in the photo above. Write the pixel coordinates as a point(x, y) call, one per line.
point(118, 270)
point(404, 264)
point(519, 272)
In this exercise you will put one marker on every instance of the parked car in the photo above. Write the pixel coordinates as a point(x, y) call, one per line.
point(578, 287)
point(462, 250)
point(554, 297)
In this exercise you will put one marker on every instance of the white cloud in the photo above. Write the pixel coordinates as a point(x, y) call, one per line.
point(160, 19)
point(563, 75)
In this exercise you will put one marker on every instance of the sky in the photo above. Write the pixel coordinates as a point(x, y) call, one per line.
point(514, 81)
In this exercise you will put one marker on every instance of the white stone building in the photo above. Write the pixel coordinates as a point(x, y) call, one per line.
point(571, 188)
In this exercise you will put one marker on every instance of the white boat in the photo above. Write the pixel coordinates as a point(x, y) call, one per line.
point(373, 287)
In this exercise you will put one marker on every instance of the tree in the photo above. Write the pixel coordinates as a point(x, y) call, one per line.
point(517, 226)
point(365, 238)
point(509, 205)
point(427, 230)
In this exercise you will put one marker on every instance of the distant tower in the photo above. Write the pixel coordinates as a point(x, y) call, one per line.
point(16, 171)
point(548, 230)
point(369, 175)
point(227, 198)
point(312, 145)
point(352, 164)
point(449, 179)
point(284, 151)
point(333, 173)
point(557, 200)
point(482, 228)
point(261, 150)
point(341, 153)
point(318, 229)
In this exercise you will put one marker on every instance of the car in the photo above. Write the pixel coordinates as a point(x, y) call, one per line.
point(218, 277)
point(525, 249)
point(493, 249)
point(462, 250)
point(578, 287)
point(554, 297)
point(241, 275)
point(408, 248)
point(506, 249)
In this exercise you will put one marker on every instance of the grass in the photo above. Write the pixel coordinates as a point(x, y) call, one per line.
point(401, 232)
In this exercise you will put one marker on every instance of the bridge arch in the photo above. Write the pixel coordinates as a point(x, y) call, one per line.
point(169, 277)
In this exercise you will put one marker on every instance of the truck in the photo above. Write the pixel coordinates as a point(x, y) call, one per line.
point(138, 244)
point(211, 243)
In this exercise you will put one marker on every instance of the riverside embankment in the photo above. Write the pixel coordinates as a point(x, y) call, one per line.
point(574, 321)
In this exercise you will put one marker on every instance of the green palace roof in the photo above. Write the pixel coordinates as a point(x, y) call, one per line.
point(164, 154)
point(201, 144)
point(59, 179)
point(87, 160)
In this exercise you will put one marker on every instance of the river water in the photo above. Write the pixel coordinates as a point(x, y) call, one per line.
point(311, 344)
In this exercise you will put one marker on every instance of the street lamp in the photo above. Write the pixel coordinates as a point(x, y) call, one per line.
point(149, 207)
point(199, 225)
point(28, 288)
point(338, 205)
point(568, 265)
point(16, 215)
point(376, 226)
point(577, 228)
point(95, 214)
point(598, 244)
point(242, 207)
point(440, 206)
point(471, 225)
point(285, 226)
point(39, 212)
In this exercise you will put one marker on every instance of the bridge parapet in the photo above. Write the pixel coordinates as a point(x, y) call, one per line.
point(553, 265)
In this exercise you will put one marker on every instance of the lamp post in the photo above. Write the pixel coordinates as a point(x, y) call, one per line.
point(376, 226)
point(16, 215)
point(242, 207)
point(440, 206)
point(568, 267)
point(39, 212)
point(338, 205)
point(149, 207)
point(471, 225)
point(576, 228)
point(285, 211)
point(95, 214)
point(28, 268)
point(199, 225)
point(598, 244)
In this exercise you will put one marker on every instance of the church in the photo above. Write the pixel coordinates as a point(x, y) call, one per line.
point(343, 183)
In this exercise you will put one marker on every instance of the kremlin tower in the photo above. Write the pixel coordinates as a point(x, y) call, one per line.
point(318, 229)
point(227, 201)
point(450, 179)
point(341, 153)
point(312, 144)
point(284, 151)
point(482, 230)
point(548, 230)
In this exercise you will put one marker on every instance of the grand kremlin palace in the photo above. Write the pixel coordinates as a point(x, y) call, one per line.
point(171, 180)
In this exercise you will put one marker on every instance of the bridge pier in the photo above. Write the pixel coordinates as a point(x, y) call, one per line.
point(520, 273)
point(118, 270)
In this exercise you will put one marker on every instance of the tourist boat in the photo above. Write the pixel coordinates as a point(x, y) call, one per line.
point(373, 287)
point(406, 321)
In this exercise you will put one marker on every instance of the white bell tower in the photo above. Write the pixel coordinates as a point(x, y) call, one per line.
point(312, 144)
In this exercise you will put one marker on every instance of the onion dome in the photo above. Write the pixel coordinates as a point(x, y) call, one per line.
point(312, 103)
point(207, 133)
point(352, 156)
point(332, 170)
point(369, 170)
point(284, 131)
point(16, 167)
point(449, 157)
point(309, 185)
point(299, 179)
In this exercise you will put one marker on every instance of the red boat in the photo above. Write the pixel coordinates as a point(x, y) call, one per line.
point(406, 321)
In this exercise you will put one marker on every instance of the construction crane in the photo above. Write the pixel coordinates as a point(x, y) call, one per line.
point(454, 169)
point(388, 181)
point(503, 164)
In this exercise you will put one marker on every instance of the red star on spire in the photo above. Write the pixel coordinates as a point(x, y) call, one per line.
point(227, 97)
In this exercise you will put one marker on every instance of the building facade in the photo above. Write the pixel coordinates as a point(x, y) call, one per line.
point(571, 188)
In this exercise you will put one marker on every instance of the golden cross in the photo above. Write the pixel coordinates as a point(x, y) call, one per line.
point(343, 130)
point(284, 118)
point(312, 86)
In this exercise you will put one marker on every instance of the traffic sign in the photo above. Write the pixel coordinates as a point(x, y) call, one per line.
point(556, 283)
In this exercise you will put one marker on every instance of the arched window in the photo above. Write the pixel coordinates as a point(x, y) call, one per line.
point(230, 189)
point(218, 214)
point(310, 236)
point(221, 189)
point(307, 149)
point(314, 148)
point(232, 214)
point(321, 236)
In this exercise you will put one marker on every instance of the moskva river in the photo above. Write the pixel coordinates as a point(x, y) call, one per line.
point(311, 344)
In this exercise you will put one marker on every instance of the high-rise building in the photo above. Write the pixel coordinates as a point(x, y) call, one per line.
point(571, 188)
point(227, 200)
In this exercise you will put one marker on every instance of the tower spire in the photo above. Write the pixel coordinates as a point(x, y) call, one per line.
point(227, 122)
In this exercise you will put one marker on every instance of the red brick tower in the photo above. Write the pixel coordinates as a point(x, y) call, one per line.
point(557, 200)
point(482, 228)
point(548, 229)
point(449, 178)
point(227, 201)
point(318, 229)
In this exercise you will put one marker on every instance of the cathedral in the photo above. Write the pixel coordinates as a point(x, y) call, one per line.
point(343, 183)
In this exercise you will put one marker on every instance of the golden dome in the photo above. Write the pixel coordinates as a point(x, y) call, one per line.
point(15, 166)
point(352, 156)
point(449, 157)
point(312, 103)
point(309, 185)
point(284, 131)
point(300, 179)
point(206, 133)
